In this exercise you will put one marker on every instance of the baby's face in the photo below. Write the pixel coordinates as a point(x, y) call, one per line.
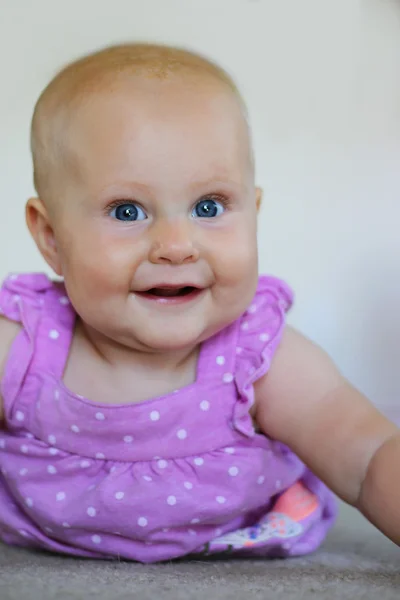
point(155, 223)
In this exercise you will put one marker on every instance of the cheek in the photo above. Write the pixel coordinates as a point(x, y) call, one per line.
point(98, 262)
point(237, 256)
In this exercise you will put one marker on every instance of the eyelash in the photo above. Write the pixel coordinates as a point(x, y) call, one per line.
point(217, 197)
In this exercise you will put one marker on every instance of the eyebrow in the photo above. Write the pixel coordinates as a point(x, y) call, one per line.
point(211, 181)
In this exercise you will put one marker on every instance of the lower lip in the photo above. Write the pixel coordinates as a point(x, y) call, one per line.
point(171, 300)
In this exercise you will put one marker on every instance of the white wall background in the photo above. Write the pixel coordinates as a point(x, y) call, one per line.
point(322, 81)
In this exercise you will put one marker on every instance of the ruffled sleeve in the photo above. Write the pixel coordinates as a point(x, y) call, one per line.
point(22, 294)
point(260, 332)
point(21, 300)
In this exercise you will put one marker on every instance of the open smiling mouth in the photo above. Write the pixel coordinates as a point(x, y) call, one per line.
point(170, 294)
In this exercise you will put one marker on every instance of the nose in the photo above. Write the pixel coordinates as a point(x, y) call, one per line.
point(173, 244)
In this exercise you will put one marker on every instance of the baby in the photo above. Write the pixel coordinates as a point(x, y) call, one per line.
point(154, 404)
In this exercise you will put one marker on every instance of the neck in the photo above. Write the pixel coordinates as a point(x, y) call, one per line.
point(117, 355)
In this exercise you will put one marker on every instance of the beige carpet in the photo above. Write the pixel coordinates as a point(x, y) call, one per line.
point(355, 563)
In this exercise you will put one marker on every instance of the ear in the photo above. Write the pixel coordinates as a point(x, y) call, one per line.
point(259, 196)
point(37, 219)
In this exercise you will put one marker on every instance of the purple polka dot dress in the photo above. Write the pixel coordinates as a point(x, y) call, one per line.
point(184, 474)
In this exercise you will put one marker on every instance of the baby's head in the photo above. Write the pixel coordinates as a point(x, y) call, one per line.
point(147, 205)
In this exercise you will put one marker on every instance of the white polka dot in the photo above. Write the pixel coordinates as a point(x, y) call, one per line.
point(188, 485)
point(162, 464)
point(2, 443)
point(221, 499)
point(227, 378)
point(60, 496)
point(147, 478)
point(84, 464)
point(264, 337)
point(54, 334)
point(16, 298)
point(75, 428)
point(204, 405)
point(261, 479)
point(23, 471)
point(278, 484)
point(252, 308)
point(100, 455)
point(52, 439)
point(239, 350)
point(244, 326)
point(66, 525)
point(91, 487)
point(229, 450)
point(233, 471)
point(100, 416)
point(194, 521)
point(19, 415)
point(142, 521)
point(192, 532)
point(23, 533)
point(218, 532)
point(13, 276)
point(182, 434)
point(113, 469)
point(128, 439)
point(29, 502)
point(198, 461)
point(51, 469)
point(29, 436)
point(91, 511)
point(171, 500)
point(165, 529)
point(24, 448)
point(56, 394)
point(119, 495)
point(63, 300)
point(154, 415)
point(53, 451)
point(96, 539)
point(220, 360)
point(48, 529)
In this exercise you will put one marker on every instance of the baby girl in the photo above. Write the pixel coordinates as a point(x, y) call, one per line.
point(153, 403)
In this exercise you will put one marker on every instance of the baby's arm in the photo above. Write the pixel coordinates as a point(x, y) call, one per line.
point(8, 331)
point(306, 403)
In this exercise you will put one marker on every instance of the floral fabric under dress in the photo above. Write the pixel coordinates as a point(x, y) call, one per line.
point(183, 474)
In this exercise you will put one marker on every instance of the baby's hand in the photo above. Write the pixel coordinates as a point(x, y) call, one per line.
point(306, 403)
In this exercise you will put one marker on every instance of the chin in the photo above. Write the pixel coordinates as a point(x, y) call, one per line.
point(171, 340)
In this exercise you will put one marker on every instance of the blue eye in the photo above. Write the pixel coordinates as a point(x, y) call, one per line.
point(208, 208)
point(128, 212)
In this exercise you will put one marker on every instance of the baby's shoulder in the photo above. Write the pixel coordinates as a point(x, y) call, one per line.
point(8, 332)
